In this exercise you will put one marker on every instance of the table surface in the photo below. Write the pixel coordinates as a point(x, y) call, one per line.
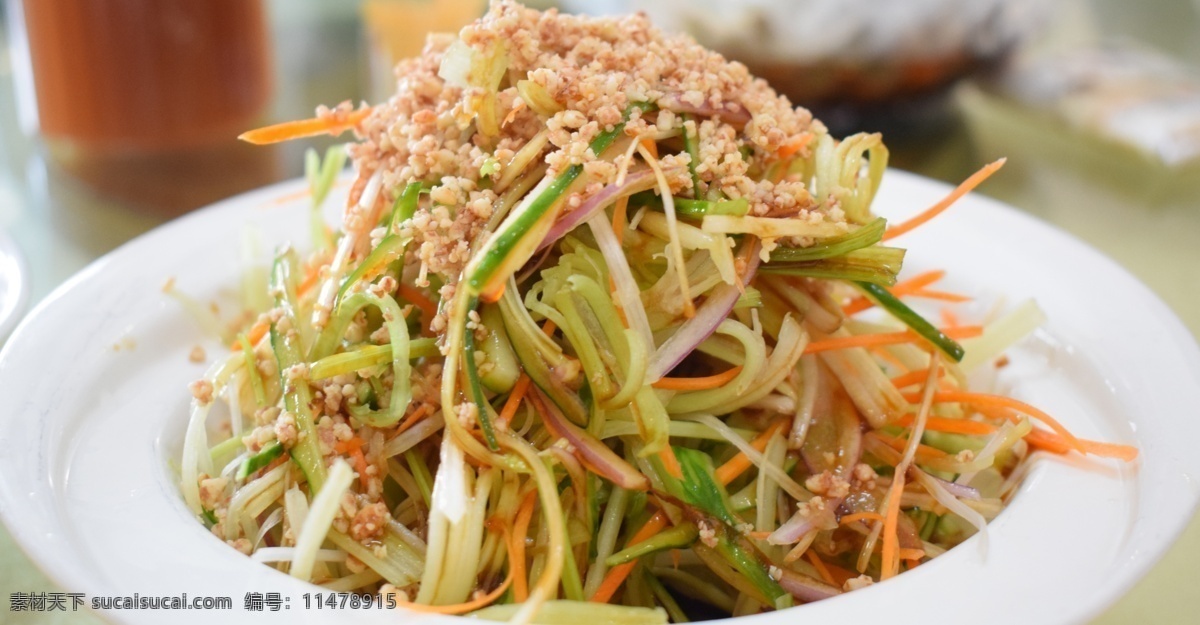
point(60, 226)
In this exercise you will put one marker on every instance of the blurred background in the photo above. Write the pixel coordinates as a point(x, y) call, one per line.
point(118, 115)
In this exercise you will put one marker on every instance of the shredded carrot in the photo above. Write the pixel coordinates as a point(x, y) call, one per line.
point(962, 189)
point(945, 296)
point(334, 124)
point(795, 145)
point(912, 554)
point(738, 464)
point(257, 331)
point(353, 447)
point(860, 516)
point(548, 328)
point(887, 338)
point(950, 426)
point(494, 295)
point(512, 113)
point(617, 574)
point(311, 275)
point(670, 462)
point(999, 401)
point(650, 146)
point(890, 560)
point(819, 564)
point(413, 418)
point(925, 453)
point(619, 218)
point(918, 282)
point(463, 608)
point(913, 377)
point(348, 446)
point(1054, 443)
point(514, 399)
point(758, 535)
point(516, 560)
point(418, 299)
point(949, 319)
point(1060, 441)
point(698, 384)
point(900, 289)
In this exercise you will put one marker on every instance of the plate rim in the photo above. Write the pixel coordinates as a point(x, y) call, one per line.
point(60, 573)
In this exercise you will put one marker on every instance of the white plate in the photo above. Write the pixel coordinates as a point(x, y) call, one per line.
point(95, 380)
point(14, 285)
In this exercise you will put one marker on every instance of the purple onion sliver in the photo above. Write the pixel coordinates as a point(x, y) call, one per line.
point(634, 182)
point(732, 112)
point(962, 491)
point(790, 532)
point(796, 527)
point(709, 315)
point(594, 453)
point(805, 588)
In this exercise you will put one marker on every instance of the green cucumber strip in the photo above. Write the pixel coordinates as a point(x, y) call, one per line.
point(910, 318)
point(269, 452)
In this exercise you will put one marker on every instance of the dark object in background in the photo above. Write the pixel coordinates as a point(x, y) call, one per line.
point(860, 65)
point(142, 99)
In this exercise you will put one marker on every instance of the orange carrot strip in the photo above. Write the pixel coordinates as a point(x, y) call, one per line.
point(650, 146)
point(819, 564)
point(413, 418)
point(347, 446)
point(962, 189)
point(493, 296)
point(311, 276)
point(950, 426)
point(616, 575)
point(514, 399)
point(913, 377)
point(924, 452)
point(670, 462)
point(901, 289)
point(945, 296)
point(698, 384)
point(418, 299)
point(516, 561)
point(257, 331)
point(738, 464)
point(334, 124)
point(795, 145)
point(912, 554)
point(619, 218)
point(999, 401)
point(360, 464)
point(462, 608)
point(887, 338)
point(889, 558)
point(1053, 443)
point(860, 516)
point(949, 318)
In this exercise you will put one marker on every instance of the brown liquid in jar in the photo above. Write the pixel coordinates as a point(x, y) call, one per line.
point(114, 75)
point(142, 100)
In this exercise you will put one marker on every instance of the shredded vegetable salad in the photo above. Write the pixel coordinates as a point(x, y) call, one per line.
point(608, 332)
